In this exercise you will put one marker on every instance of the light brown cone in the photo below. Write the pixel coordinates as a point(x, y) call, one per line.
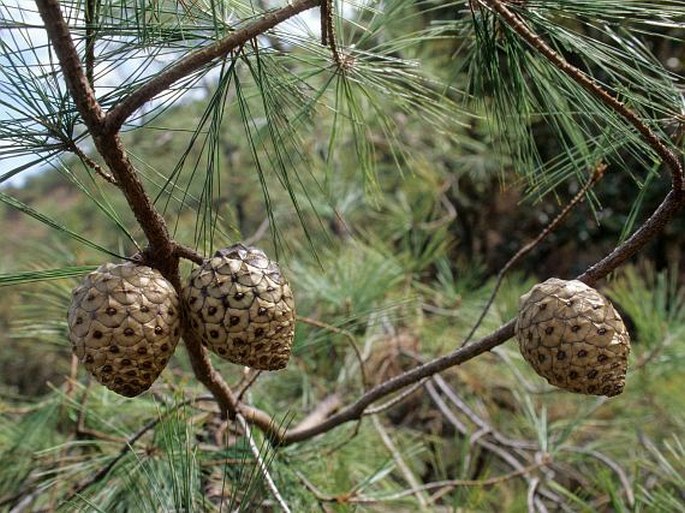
point(572, 336)
point(242, 307)
point(124, 325)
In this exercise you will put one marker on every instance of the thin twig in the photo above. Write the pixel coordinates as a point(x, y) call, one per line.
point(328, 32)
point(527, 248)
point(325, 15)
point(395, 400)
point(249, 378)
point(262, 466)
point(91, 163)
point(592, 87)
point(189, 254)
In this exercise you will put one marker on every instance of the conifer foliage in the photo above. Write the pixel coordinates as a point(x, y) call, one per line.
point(336, 137)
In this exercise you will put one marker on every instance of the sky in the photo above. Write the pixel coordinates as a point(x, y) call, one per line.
point(25, 11)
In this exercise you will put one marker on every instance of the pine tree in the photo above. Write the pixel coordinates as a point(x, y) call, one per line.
point(190, 126)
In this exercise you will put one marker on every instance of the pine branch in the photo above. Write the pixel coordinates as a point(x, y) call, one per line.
point(118, 115)
point(328, 32)
point(667, 210)
point(164, 254)
point(109, 144)
point(516, 23)
point(71, 146)
point(669, 207)
point(527, 248)
point(355, 410)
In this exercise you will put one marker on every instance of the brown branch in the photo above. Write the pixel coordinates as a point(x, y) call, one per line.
point(328, 31)
point(71, 146)
point(325, 15)
point(161, 253)
point(206, 373)
point(229, 404)
point(669, 207)
point(189, 254)
point(199, 58)
point(109, 144)
point(356, 409)
point(587, 83)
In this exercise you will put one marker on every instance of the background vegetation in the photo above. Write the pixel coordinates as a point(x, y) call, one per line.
point(393, 184)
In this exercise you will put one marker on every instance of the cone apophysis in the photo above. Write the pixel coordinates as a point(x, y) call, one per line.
point(572, 336)
point(124, 325)
point(242, 307)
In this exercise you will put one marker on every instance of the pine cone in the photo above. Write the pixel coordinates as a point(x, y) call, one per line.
point(242, 307)
point(124, 325)
point(573, 337)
